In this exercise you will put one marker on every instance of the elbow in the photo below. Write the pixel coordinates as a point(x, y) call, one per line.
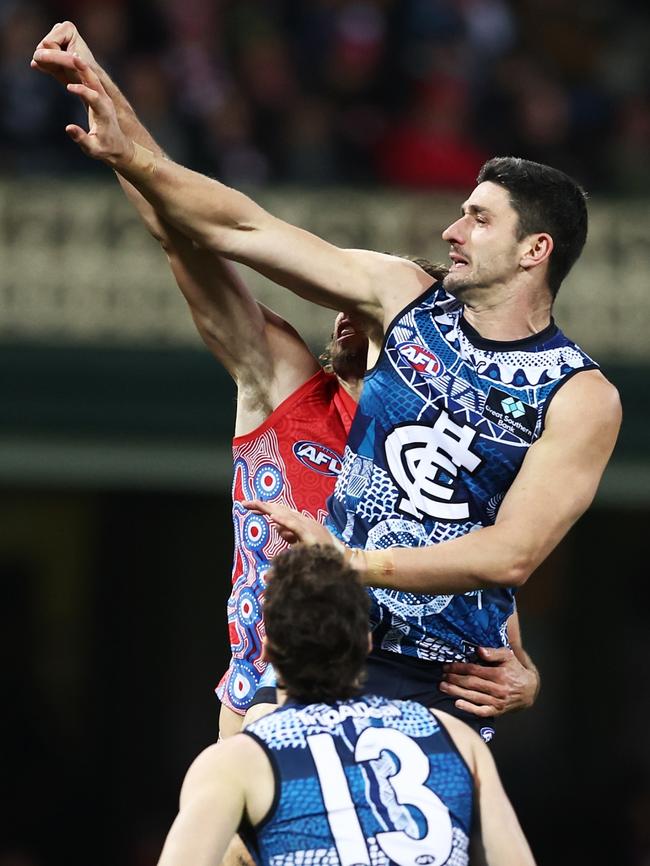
point(517, 574)
point(511, 574)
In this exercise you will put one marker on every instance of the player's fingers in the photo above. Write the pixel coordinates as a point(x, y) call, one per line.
point(257, 505)
point(59, 35)
point(468, 669)
point(89, 97)
point(55, 61)
point(482, 710)
point(88, 74)
point(475, 696)
point(495, 654)
point(475, 684)
point(78, 135)
point(287, 535)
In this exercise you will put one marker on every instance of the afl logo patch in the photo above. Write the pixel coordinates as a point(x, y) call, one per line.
point(318, 458)
point(421, 359)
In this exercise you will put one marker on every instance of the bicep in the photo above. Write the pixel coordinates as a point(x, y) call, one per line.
point(374, 285)
point(560, 474)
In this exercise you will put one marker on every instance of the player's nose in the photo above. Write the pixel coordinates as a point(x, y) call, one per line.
point(454, 234)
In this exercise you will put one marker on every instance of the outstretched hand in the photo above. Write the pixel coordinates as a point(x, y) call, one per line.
point(104, 140)
point(500, 686)
point(292, 525)
point(64, 39)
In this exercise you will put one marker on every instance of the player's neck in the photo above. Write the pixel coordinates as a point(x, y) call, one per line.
point(507, 317)
point(352, 386)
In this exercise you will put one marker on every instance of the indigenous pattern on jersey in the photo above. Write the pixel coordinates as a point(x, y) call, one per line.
point(366, 781)
point(444, 422)
point(293, 458)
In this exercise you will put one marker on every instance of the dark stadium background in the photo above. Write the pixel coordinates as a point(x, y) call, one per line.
point(115, 532)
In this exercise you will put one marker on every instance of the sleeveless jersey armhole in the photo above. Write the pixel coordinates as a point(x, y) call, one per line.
point(299, 394)
point(454, 747)
point(246, 823)
point(560, 384)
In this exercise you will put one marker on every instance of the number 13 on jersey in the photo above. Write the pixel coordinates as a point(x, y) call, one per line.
point(409, 787)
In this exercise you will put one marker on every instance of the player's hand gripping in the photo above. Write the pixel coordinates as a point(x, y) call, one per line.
point(63, 38)
point(104, 140)
point(292, 525)
point(500, 686)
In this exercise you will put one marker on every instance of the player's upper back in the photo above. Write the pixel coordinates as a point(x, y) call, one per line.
point(364, 781)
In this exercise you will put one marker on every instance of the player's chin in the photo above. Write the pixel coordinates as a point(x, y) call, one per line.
point(457, 281)
point(350, 362)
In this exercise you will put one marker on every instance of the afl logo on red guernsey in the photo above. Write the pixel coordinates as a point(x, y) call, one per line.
point(318, 457)
point(421, 359)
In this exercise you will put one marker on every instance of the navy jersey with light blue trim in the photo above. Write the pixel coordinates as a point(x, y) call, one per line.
point(444, 422)
point(365, 781)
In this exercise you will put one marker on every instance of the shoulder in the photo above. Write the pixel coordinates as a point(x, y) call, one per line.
point(588, 398)
point(226, 757)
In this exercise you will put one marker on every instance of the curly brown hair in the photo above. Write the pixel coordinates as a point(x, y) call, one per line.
point(316, 616)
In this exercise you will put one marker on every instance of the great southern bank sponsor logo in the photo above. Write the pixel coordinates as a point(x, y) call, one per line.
point(421, 359)
point(511, 413)
point(318, 458)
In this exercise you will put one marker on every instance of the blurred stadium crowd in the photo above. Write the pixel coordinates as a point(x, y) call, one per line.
point(413, 93)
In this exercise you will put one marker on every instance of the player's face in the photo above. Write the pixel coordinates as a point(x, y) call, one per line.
point(349, 347)
point(484, 250)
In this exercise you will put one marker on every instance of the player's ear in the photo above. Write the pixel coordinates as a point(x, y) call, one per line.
point(369, 642)
point(264, 657)
point(537, 249)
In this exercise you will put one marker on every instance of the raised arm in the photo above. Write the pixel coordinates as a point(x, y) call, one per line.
point(557, 482)
point(265, 356)
point(373, 285)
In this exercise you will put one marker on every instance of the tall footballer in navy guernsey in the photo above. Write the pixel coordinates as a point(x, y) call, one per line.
point(443, 425)
point(519, 233)
point(337, 777)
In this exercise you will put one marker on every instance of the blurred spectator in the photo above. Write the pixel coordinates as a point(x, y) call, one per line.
point(29, 105)
point(431, 147)
point(413, 92)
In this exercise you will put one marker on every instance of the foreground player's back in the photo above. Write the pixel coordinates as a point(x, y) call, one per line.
point(372, 781)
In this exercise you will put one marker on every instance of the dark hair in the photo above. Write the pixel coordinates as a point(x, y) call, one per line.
point(435, 269)
point(546, 200)
point(316, 615)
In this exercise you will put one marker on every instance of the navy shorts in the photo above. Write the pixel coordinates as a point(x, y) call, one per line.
point(405, 678)
point(400, 677)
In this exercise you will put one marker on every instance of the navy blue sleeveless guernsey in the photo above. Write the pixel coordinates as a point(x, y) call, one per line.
point(444, 422)
point(364, 782)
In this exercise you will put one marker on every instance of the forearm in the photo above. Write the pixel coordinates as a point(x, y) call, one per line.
point(205, 210)
point(136, 131)
point(229, 223)
point(482, 559)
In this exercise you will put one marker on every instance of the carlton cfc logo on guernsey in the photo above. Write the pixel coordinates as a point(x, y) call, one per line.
point(421, 359)
point(318, 457)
